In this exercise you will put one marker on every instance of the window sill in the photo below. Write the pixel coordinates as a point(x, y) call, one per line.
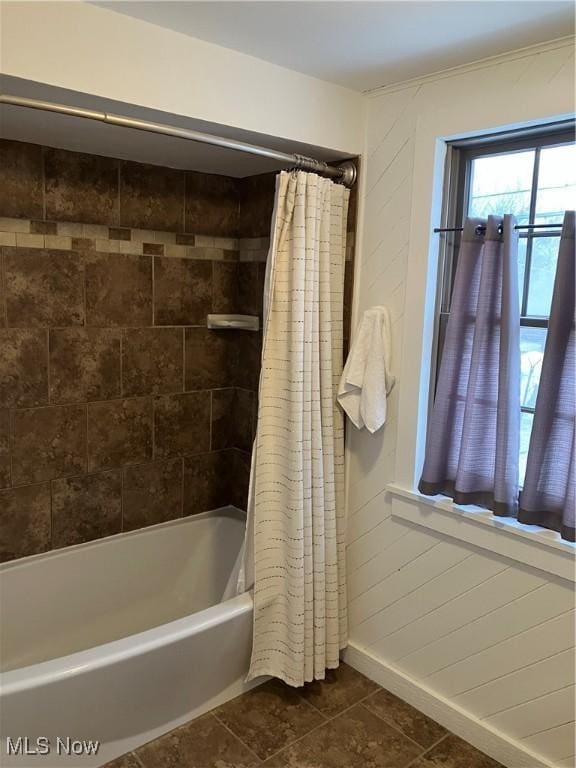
point(527, 544)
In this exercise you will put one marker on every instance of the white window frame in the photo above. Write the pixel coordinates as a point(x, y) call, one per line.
point(531, 545)
point(458, 174)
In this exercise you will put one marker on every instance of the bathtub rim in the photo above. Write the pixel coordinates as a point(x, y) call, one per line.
point(226, 511)
point(107, 654)
point(115, 651)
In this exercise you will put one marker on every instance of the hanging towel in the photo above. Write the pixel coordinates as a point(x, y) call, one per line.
point(366, 379)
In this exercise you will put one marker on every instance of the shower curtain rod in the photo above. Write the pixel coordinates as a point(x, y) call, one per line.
point(481, 228)
point(345, 173)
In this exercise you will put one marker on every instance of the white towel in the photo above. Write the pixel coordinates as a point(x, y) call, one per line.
point(366, 379)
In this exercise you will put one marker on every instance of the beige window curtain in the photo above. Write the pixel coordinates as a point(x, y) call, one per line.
point(295, 535)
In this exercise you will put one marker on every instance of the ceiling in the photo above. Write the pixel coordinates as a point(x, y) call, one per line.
point(362, 45)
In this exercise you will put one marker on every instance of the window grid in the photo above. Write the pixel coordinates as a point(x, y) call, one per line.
point(456, 207)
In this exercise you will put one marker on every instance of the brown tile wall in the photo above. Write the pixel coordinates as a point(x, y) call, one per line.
point(257, 203)
point(58, 185)
point(108, 420)
point(118, 407)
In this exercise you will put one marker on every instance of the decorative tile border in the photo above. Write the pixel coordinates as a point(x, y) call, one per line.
point(27, 233)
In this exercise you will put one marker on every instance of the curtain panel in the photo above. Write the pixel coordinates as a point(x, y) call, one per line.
point(548, 497)
point(296, 507)
point(472, 449)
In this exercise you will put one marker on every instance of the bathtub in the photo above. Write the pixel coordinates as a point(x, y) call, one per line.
point(120, 640)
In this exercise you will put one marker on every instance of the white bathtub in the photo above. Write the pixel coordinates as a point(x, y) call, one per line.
point(121, 640)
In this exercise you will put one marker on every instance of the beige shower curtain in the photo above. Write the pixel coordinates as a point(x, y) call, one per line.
point(296, 516)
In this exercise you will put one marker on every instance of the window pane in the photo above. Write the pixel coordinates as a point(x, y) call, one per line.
point(532, 342)
point(501, 184)
point(526, 420)
point(556, 184)
point(542, 274)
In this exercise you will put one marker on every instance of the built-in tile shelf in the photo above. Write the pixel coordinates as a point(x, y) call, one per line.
point(233, 322)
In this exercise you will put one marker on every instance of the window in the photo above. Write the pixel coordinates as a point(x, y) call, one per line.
point(535, 179)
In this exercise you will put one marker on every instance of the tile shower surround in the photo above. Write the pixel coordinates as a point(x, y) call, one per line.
point(118, 407)
point(109, 420)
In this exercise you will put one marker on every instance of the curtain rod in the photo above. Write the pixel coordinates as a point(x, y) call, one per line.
point(481, 228)
point(345, 173)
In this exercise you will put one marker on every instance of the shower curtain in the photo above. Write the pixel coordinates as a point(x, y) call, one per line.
point(295, 534)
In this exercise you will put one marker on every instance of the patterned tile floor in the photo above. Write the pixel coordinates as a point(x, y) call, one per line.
point(345, 721)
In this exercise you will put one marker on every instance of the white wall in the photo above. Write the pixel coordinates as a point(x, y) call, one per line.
point(93, 50)
point(474, 638)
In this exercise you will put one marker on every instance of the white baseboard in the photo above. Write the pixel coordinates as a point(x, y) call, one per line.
point(494, 743)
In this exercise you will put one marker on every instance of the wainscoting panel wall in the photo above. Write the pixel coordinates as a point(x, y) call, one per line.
point(472, 637)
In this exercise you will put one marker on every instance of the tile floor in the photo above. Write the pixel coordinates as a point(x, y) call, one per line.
point(345, 721)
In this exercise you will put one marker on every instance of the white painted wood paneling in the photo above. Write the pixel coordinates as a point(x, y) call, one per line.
point(458, 611)
point(489, 631)
point(521, 650)
point(436, 559)
point(478, 640)
point(557, 743)
point(517, 688)
point(536, 715)
point(368, 516)
point(372, 543)
point(366, 591)
point(438, 591)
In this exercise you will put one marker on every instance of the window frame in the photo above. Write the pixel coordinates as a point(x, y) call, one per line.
point(456, 197)
point(503, 111)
